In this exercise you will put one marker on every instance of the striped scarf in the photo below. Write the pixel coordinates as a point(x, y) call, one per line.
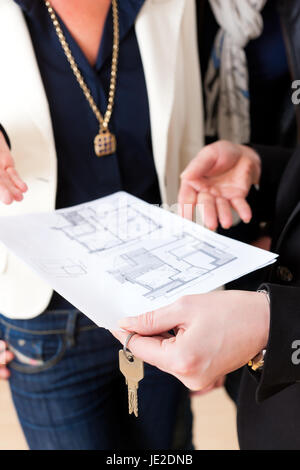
point(226, 81)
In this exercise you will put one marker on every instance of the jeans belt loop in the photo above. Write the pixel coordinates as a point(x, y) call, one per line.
point(71, 328)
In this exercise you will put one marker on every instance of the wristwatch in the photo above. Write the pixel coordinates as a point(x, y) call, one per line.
point(258, 361)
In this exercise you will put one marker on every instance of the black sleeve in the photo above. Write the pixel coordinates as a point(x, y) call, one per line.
point(274, 160)
point(282, 359)
point(5, 135)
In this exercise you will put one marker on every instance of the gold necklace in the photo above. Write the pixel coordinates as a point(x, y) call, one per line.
point(104, 142)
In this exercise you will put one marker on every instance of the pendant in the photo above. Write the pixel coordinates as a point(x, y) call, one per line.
point(105, 143)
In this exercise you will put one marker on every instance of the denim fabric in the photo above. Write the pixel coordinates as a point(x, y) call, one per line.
point(69, 393)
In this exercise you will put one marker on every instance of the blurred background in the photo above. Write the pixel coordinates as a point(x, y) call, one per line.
point(214, 423)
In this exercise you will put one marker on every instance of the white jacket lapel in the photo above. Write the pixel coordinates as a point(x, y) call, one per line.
point(158, 30)
point(23, 76)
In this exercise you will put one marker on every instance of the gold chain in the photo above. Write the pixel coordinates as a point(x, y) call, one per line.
point(103, 121)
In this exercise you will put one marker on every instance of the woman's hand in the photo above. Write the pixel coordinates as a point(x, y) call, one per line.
point(219, 383)
point(216, 333)
point(11, 185)
point(5, 357)
point(218, 180)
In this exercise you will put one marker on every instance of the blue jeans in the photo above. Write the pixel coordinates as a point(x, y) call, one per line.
point(69, 393)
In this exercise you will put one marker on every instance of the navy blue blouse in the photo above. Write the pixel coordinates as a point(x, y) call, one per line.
point(82, 176)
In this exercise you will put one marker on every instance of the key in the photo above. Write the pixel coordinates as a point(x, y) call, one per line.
point(133, 370)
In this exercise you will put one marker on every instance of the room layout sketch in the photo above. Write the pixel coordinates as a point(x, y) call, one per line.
point(99, 230)
point(169, 266)
point(67, 268)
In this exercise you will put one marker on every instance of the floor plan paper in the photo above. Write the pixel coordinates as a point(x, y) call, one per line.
point(119, 256)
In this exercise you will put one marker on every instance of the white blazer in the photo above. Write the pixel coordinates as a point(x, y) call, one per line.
point(167, 37)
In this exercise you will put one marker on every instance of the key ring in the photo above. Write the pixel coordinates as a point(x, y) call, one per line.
point(129, 357)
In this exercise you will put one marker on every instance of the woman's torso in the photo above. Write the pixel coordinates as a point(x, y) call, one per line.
point(82, 176)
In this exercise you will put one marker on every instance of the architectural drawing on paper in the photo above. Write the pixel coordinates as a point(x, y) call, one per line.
point(170, 266)
point(67, 268)
point(98, 230)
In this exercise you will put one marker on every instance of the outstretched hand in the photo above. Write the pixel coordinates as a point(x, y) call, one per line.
point(218, 180)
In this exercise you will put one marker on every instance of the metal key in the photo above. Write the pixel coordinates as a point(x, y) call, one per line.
point(133, 370)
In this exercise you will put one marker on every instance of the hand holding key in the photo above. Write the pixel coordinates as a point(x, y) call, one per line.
point(216, 333)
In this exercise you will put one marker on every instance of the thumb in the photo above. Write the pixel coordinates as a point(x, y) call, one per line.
point(154, 322)
point(202, 164)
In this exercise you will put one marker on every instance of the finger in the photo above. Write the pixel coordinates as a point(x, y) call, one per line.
point(2, 352)
point(201, 185)
point(8, 191)
point(187, 199)
point(212, 160)
point(5, 195)
point(154, 350)
point(6, 356)
point(224, 212)
point(4, 373)
point(154, 322)
point(243, 209)
point(207, 206)
point(15, 191)
point(202, 164)
point(14, 176)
